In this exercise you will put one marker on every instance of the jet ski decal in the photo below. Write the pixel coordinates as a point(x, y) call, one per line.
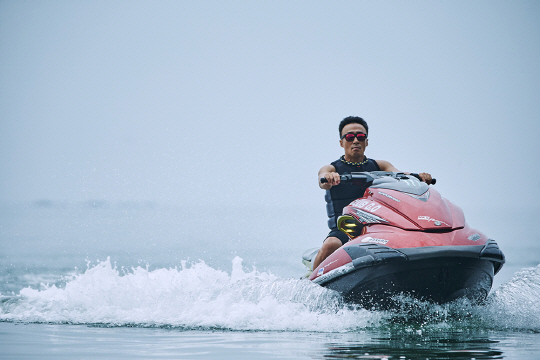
point(435, 221)
point(389, 196)
point(371, 240)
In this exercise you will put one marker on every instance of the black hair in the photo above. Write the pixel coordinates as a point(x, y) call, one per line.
point(352, 120)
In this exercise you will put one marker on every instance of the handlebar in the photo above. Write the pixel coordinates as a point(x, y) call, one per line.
point(358, 178)
point(366, 177)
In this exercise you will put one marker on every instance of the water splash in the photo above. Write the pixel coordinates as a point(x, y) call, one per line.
point(516, 304)
point(195, 296)
point(513, 306)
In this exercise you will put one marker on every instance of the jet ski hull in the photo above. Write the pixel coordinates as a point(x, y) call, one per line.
point(372, 274)
point(439, 280)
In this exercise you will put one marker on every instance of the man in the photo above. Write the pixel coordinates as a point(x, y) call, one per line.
point(353, 132)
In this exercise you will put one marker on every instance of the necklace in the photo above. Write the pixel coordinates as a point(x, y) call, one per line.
point(342, 158)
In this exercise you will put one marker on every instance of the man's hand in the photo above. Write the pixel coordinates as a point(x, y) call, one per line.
point(425, 177)
point(329, 173)
point(333, 178)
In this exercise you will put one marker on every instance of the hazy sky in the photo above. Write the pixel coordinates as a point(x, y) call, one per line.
point(216, 101)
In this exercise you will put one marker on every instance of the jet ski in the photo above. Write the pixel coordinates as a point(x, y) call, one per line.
point(406, 240)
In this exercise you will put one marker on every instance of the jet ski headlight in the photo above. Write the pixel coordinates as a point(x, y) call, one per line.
point(350, 226)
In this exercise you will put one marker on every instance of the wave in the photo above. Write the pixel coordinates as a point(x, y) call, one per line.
point(516, 304)
point(196, 296)
point(192, 297)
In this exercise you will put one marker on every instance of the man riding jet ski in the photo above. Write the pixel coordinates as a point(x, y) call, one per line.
point(399, 236)
point(353, 132)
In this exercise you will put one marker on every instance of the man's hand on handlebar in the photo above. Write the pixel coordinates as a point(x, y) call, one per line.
point(425, 177)
point(332, 179)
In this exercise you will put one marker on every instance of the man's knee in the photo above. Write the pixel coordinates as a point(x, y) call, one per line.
point(331, 244)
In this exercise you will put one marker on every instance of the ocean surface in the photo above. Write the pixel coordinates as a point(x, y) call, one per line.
point(115, 280)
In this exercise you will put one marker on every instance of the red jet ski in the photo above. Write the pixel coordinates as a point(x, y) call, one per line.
point(406, 239)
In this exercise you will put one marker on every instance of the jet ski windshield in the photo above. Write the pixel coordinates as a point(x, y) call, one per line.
point(399, 182)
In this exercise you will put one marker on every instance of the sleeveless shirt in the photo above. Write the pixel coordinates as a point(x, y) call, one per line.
point(343, 194)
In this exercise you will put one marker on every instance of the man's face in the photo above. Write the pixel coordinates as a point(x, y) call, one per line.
point(354, 149)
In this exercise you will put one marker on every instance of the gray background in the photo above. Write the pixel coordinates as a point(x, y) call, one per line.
point(235, 104)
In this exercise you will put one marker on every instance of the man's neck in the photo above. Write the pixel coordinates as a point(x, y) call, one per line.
point(358, 158)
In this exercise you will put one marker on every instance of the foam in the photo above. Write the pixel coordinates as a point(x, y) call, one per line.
point(516, 304)
point(194, 296)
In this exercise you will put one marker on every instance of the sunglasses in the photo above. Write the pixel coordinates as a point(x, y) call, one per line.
point(350, 137)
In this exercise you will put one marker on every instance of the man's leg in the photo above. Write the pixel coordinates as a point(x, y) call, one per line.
point(330, 245)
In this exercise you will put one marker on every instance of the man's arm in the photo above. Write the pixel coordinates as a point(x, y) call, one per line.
point(387, 166)
point(328, 172)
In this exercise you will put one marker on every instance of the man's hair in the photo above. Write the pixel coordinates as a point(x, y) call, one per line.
point(352, 120)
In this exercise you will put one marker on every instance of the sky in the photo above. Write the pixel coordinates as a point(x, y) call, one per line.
point(238, 102)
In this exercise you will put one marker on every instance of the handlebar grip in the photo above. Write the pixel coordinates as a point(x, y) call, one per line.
point(433, 180)
point(323, 181)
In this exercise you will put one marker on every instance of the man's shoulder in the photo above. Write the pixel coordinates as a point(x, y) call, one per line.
point(386, 165)
point(333, 163)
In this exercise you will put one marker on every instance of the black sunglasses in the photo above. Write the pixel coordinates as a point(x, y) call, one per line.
point(350, 137)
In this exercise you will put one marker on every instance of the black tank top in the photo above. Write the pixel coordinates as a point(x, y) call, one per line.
point(343, 194)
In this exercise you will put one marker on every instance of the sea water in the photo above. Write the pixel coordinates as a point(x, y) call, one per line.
point(147, 280)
